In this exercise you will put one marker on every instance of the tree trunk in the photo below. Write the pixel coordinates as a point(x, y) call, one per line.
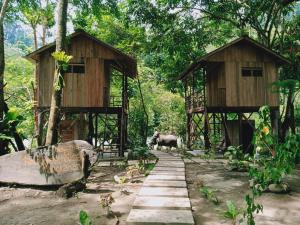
point(35, 38)
point(288, 117)
point(54, 117)
point(44, 35)
point(3, 144)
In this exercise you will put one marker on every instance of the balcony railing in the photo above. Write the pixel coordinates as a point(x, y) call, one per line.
point(195, 101)
point(115, 101)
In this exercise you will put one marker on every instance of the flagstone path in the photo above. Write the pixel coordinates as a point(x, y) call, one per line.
point(163, 198)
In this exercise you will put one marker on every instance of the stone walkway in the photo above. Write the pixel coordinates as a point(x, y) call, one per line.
point(163, 199)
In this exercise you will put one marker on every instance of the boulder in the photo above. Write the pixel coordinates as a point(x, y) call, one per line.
point(279, 188)
point(49, 166)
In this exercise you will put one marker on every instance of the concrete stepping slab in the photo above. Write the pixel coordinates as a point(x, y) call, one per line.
point(163, 191)
point(173, 173)
point(165, 177)
point(171, 164)
point(164, 168)
point(159, 216)
point(169, 183)
point(165, 202)
point(170, 160)
point(163, 199)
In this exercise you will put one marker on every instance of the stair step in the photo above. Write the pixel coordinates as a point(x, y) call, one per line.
point(146, 202)
point(159, 216)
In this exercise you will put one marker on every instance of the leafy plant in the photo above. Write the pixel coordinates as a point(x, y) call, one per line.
point(84, 218)
point(132, 171)
point(210, 195)
point(106, 202)
point(142, 154)
point(251, 208)
point(62, 59)
point(237, 159)
point(120, 180)
point(279, 161)
point(232, 212)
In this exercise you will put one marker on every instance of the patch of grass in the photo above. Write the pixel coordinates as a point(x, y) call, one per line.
point(232, 212)
point(210, 195)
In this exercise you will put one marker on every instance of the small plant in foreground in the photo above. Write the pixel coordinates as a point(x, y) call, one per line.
point(142, 154)
point(237, 160)
point(210, 195)
point(84, 218)
point(132, 171)
point(106, 202)
point(232, 212)
point(120, 180)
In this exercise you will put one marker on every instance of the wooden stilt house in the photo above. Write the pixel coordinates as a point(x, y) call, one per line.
point(94, 99)
point(225, 87)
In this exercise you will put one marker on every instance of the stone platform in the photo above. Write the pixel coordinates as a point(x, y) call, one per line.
point(163, 199)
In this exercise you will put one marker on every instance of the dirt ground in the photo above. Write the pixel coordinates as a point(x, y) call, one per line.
point(24, 206)
point(279, 209)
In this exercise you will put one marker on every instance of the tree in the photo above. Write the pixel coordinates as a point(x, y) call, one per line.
point(47, 19)
point(35, 13)
point(31, 14)
point(273, 23)
point(2, 65)
point(54, 117)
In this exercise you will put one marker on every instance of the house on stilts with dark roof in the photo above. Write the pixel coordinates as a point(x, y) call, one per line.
point(94, 99)
point(225, 87)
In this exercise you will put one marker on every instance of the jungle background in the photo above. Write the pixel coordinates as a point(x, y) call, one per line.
point(165, 36)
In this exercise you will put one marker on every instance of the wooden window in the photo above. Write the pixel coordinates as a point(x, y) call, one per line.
point(76, 68)
point(252, 72)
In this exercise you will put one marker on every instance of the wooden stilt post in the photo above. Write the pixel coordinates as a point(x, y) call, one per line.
point(96, 129)
point(188, 130)
point(206, 130)
point(91, 128)
point(224, 121)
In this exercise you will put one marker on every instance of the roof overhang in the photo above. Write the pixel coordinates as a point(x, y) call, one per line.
point(280, 60)
point(127, 64)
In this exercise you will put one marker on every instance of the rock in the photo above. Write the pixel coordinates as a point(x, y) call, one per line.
point(53, 165)
point(279, 188)
point(68, 190)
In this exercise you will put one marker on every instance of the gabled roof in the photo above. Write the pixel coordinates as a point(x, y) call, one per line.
point(279, 59)
point(130, 60)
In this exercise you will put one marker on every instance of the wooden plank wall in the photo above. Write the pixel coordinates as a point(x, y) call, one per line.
point(242, 91)
point(216, 85)
point(81, 90)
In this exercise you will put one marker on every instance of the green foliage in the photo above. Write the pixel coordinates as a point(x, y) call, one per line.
point(237, 158)
point(210, 195)
point(232, 212)
point(62, 59)
point(106, 201)
point(142, 154)
point(19, 91)
point(165, 110)
point(84, 218)
point(9, 124)
point(280, 161)
point(234, 152)
point(251, 208)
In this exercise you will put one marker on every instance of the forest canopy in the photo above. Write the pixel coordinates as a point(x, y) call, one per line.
point(164, 36)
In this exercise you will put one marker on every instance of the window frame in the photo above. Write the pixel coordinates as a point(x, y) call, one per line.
point(252, 71)
point(72, 65)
